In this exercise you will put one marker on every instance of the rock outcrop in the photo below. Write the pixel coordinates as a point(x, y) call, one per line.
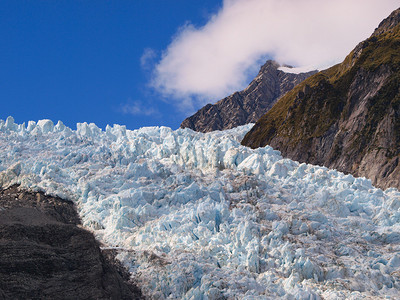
point(346, 117)
point(248, 105)
point(45, 255)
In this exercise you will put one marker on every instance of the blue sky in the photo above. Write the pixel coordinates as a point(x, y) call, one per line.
point(79, 61)
point(154, 62)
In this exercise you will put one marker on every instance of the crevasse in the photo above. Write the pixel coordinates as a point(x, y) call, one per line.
point(198, 216)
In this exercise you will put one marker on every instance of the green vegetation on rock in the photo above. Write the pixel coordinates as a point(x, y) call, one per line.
point(346, 116)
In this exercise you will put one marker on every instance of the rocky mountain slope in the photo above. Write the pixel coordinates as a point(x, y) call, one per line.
point(248, 105)
point(346, 117)
point(45, 255)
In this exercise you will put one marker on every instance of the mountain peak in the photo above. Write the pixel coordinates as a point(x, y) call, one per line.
point(249, 105)
point(389, 23)
point(346, 117)
point(269, 64)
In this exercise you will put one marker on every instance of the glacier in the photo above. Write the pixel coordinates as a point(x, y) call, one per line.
point(198, 216)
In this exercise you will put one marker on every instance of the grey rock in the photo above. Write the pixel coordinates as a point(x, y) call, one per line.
point(346, 117)
point(249, 105)
point(45, 255)
point(388, 24)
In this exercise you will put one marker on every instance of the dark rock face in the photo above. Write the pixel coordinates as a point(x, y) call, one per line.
point(346, 117)
point(388, 24)
point(45, 255)
point(248, 105)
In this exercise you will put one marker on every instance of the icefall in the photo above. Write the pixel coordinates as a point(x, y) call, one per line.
point(198, 216)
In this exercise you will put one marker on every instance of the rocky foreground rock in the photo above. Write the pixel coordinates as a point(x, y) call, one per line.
point(248, 105)
point(44, 254)
point(346, 117)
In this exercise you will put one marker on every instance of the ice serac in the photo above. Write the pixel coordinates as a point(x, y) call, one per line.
point(346, 117)
point(198, 216)
point(249, 105)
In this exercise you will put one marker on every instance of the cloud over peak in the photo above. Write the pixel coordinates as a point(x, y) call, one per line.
point(207, 63)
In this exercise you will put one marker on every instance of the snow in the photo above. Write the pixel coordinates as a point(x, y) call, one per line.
point(297, 70)
point(198, 216)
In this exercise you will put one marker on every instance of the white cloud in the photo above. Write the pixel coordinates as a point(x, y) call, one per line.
point(148, 58)
point(205, 64)
point(138, 108)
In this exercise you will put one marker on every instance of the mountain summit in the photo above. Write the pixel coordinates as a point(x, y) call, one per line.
point(346, 117)
point(248, 105)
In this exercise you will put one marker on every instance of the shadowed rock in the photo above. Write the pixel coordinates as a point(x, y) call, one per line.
point(45, 255)
point(248, 105)
point(346, 117)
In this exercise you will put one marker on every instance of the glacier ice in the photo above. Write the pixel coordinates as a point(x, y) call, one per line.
point(198, 216)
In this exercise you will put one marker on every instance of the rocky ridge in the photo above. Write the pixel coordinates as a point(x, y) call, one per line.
point(249, 105)
point(346, 117)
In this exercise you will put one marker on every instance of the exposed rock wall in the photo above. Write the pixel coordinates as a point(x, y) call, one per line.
point(45, 255)
point(248, 105)
point(346, 117)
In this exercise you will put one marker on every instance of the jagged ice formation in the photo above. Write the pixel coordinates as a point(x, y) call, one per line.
point(198, 216)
